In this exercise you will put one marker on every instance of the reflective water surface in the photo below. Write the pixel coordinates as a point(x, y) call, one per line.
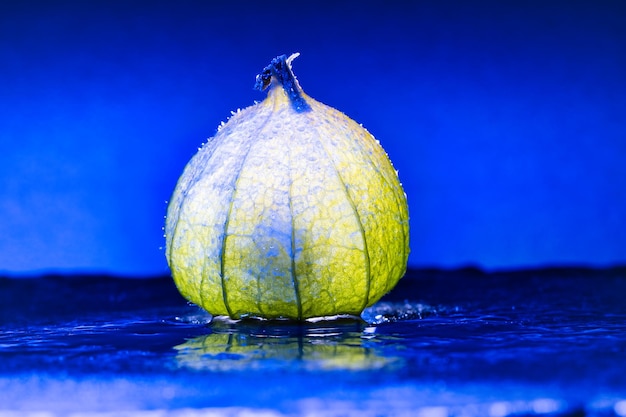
point(443, 343)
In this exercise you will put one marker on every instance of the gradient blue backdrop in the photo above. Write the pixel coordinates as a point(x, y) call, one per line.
point(506, 120)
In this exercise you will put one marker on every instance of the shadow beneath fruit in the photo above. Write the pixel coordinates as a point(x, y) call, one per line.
point(347, 344)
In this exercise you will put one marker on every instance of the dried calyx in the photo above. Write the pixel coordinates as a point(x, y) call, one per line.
point(280, 71)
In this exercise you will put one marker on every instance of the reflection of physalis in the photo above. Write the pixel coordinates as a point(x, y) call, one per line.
point(239, 351)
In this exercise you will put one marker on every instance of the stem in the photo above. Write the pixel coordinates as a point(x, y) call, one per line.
point(280, 70)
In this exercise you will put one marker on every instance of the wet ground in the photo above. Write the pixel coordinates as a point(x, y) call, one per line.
point(548, 342)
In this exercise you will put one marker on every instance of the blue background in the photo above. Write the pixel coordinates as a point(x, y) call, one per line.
point(506, 120)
